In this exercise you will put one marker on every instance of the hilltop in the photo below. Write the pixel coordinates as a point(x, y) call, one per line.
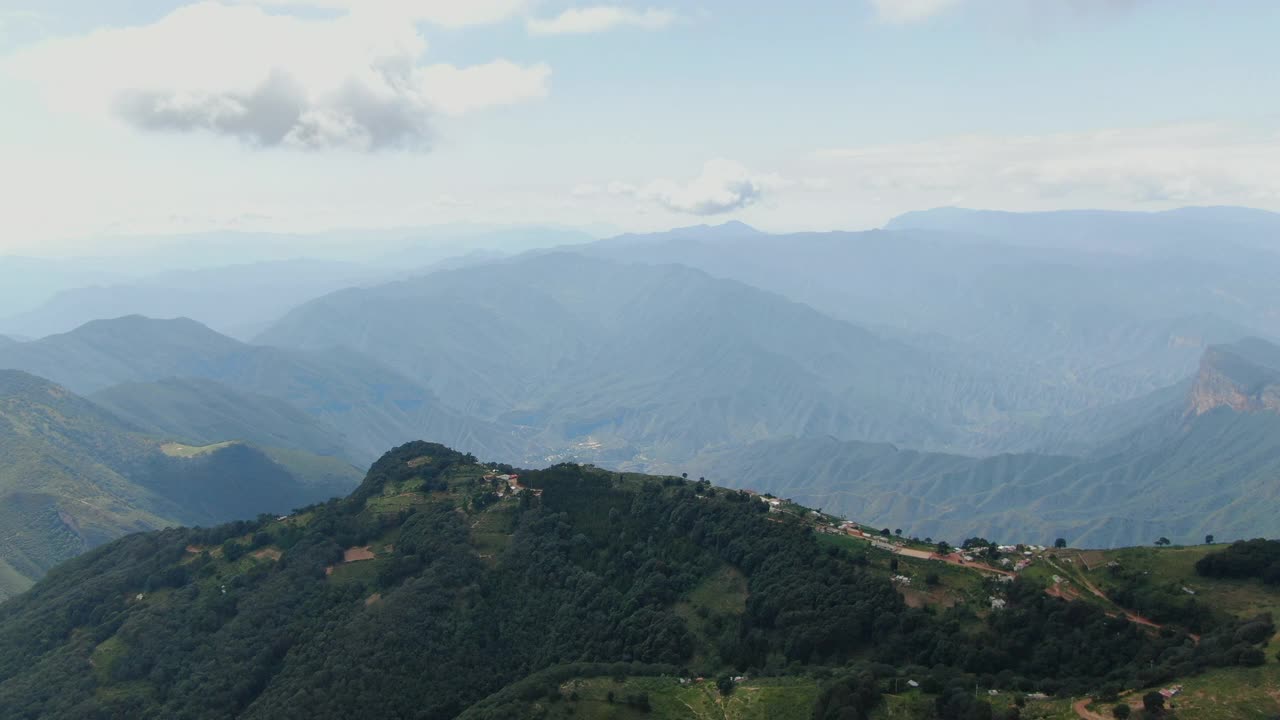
point(446, 586)
point(75, 476)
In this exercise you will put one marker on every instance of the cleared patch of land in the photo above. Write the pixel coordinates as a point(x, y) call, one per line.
point(179, 450)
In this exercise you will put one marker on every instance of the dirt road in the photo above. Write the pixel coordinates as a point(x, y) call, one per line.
point(1082, 709)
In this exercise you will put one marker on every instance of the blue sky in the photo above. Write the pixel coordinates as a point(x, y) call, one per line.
point(298, 115)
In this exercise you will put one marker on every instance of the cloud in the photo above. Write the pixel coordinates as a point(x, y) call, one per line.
point(457, 91)
point(353, 81)
point(911, 11)
point(1164, 166)
point(722, 186)
point(907, 11)
point(446, 13)
point(601, 18)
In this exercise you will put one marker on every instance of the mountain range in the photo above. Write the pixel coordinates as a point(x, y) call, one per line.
point(1040, 354)
point(627, 363)
point(1202, 464)
point(1069, 299)
point(362, 404)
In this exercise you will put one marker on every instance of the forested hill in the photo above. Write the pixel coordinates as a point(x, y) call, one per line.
point(441, 581)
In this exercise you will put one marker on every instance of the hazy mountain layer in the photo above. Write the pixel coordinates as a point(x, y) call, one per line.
point(1078, 327)
point(1205, 465)
point(635, 362)
point(366, 405)
point(239, 300)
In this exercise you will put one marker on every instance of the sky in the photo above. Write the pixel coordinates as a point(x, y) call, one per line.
point(165, 116)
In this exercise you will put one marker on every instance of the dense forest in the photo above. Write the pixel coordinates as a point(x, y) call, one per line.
point(1256, 558)
point(425, 594)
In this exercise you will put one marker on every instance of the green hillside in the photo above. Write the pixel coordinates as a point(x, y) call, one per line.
point(204, 411)
point(586, 593)
point(74, 476)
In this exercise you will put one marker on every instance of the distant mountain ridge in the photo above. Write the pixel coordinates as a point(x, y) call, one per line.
point(236, 299)
point(365, 404)
point(1194, 468)
point(1198, 230)
point(1082, 328)
point(649, 361)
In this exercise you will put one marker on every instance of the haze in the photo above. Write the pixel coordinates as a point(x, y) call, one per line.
point(569, 359)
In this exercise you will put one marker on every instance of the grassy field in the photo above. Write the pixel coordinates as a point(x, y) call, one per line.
point(955, 584)
point(179, 450)
point(766, 699)
point(491, 531)
point(724, 593)
point(1243, 598)
point(1225, 694)
point(916, 705)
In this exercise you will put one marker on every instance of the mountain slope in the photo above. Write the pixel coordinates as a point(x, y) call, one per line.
point(201, 412)
point(367, 405)
point(632, 362)
point(1203, 464)
point(74, 476)
point(423, 594)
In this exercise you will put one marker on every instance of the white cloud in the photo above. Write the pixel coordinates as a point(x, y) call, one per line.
point(910, 11)
point(907, 11)
point(1167, 166)
point(447, 13)
point(600, 19)
point(352, 81)
point(449, 200)
point(460, 90)
point(722, 186)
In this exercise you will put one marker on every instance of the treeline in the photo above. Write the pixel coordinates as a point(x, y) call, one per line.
point(1256, 558)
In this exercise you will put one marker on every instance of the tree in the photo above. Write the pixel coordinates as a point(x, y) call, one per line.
point(898, 532)
point(893, 564)
point(725, 685)
point(885, 532)
point(1060, 543)
point(944, 547)
point(1208, 539)
point(1163, 541)
point(1153, 703)
point(1121, 711)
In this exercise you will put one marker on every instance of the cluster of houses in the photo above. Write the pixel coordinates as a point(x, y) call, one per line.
point(509, 484)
